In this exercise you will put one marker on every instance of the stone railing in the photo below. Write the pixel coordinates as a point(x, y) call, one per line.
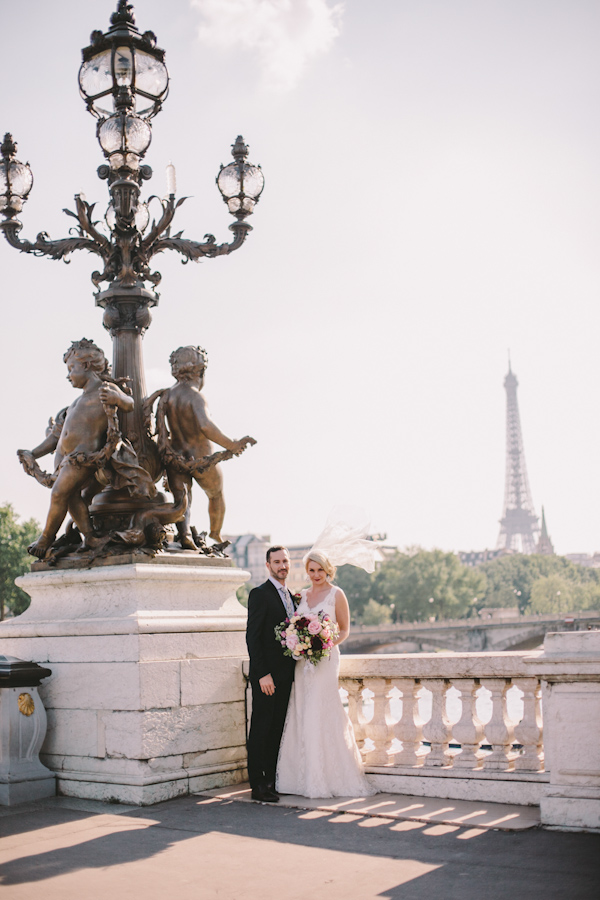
point(458, 733)
point(456, 725)
point(470, 725)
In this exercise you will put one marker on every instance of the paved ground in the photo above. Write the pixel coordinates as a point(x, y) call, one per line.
point(211, 848)
point(402, 806)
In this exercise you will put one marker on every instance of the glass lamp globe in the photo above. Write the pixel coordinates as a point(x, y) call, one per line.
point(123, 59)
point(124, 138)
point(240, 183)
point(101, 77)
point(16, 179)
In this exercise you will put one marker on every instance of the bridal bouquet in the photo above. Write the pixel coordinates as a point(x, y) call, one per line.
point(309, 636)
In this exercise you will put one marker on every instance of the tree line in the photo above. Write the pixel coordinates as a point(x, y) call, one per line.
point(410, 586)
point(15, 537)
point(416, 585)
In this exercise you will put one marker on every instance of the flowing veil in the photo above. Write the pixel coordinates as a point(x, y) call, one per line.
point(343, 540)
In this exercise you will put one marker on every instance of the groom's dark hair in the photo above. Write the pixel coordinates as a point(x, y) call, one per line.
point(274, 550)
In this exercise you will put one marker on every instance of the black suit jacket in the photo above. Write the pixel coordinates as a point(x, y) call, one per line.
point(265, 611)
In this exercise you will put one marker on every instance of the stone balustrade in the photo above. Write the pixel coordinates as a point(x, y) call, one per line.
point(449, 724)
point(399, 685)
point(470, 725)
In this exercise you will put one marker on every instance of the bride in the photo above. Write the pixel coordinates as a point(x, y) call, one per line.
point(318, 756)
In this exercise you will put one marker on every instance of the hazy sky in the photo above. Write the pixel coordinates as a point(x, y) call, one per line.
point(432, 199)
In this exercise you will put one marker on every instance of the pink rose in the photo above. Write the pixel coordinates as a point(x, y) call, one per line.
point(314, 627)
point(291, 641)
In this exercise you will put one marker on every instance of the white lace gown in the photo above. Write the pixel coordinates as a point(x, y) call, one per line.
point(318, 756)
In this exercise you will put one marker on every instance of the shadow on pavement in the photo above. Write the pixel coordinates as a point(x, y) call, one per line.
point(222, 848)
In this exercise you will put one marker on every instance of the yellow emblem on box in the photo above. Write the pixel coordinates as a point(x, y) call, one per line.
point(26, 704)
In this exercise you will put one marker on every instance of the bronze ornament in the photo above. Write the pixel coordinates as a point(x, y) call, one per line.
point(107, 458)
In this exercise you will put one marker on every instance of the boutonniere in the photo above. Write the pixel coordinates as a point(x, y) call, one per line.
point(296, 598)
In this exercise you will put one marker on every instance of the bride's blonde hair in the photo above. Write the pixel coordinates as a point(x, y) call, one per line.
point(320, 558)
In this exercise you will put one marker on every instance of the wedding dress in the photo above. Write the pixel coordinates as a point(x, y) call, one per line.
point(318, 756)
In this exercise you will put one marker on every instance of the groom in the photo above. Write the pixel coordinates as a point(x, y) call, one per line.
point(271, 674)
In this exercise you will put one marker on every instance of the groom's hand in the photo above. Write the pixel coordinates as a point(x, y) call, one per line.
point(267, 685)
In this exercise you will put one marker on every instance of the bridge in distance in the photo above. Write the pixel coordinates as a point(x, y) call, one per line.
point(464, 635)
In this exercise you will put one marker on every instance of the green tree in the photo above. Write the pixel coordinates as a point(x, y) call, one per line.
point(358, 586)
point(511, 579)
point(375, 613)
point(556, 595)
point(14, 559)
point(422, 583)
point(242, 594)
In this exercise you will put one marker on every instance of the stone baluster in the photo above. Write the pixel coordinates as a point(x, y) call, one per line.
point(409, 728)
point(529, 731)
point(469, 729)
point(500, 729)
point(379, 729)
point(438, 730)
point(355, 687)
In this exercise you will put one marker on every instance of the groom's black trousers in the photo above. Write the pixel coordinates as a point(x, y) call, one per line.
point(266, 728)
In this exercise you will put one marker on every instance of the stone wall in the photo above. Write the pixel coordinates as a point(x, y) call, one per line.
point(147, 695)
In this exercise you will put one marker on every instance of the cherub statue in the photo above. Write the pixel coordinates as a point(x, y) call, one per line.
point(84, 438)
point(185, 431)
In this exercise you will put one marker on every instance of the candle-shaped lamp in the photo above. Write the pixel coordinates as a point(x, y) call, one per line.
point(171, 180)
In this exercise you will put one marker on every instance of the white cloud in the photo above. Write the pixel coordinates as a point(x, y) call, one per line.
point(284, 34)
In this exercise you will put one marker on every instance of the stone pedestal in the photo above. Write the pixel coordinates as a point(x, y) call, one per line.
point(23, 778)
point(146, 698)
point(570, 670)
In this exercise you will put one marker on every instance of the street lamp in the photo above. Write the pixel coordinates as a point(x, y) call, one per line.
point(240, 182)
point(124, 81)
point(16, 179)
point(123, 69)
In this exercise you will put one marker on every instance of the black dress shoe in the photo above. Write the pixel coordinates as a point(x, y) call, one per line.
point(264, 795)
point(271, 788)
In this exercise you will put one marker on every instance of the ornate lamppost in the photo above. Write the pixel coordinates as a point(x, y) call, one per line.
point(124, 81)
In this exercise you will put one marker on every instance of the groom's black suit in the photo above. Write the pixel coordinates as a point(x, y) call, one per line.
point(265, 611)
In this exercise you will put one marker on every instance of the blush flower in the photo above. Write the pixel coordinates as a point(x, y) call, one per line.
point(307, 638)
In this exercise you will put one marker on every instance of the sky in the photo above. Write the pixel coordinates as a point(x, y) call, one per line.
point(432, 202)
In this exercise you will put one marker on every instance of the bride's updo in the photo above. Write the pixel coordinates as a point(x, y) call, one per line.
point(319, 557)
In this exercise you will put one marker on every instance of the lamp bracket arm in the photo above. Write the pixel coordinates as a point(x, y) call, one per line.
point(194, 250)
point(169, 206)
point(43, 246)
point(11, 229)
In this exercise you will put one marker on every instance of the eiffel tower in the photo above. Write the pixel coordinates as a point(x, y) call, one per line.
point(519, 525)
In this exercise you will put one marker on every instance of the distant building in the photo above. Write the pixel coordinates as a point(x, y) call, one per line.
point(478, 557)
point(590, 560)
point(386, 549)
point(544, 546)
point(249, 551)
point(298, 579)
point(519, 529)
